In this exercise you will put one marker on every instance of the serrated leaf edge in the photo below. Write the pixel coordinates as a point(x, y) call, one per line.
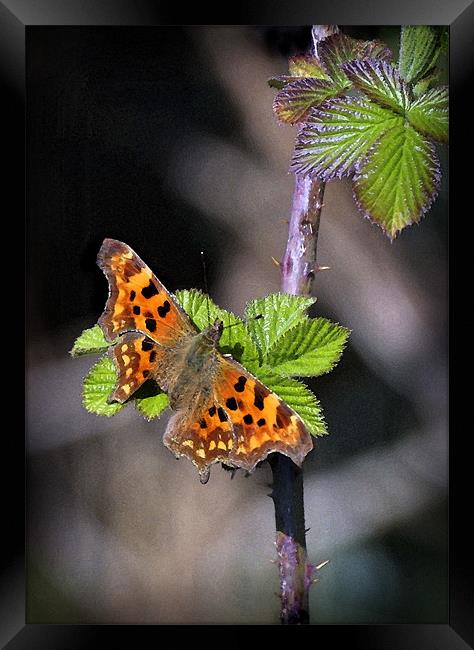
point(317, 124)
point(82, 351)
point(284, 374)
point(118, 406)
point(355, 68)
point(418, 102)
point(138, 405)
point(366, 214)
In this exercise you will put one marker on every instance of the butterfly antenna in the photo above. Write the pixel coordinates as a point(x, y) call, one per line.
point(244, 321)
point(206, 288)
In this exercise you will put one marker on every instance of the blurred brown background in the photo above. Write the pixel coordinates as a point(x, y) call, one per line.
point(164, 138)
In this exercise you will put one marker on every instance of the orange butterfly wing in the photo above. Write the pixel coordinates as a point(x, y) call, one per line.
point(262, 422)
point(205, 437)
point(244, 423)
point(136, 359)
point(137, 299)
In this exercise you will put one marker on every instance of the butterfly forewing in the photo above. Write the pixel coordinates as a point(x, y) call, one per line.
point(137, 299)
point(262, 422)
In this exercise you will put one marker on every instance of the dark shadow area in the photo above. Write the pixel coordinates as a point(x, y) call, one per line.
point(106, 107)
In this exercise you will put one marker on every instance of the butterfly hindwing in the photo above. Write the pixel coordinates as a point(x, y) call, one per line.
point(205, 436)
point(137, 299)
point(136, 358)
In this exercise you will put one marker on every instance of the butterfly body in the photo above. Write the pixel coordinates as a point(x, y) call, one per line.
point(196, 362)
point(222, 412)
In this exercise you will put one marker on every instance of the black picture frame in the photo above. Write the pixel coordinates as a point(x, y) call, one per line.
point(15, 18)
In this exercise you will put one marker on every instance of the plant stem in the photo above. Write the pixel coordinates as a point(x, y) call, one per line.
point(298, 269)
point(298, 266)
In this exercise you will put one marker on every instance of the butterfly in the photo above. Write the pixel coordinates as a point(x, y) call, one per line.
point(222, 413)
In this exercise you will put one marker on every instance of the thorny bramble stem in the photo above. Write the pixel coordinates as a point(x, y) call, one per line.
point(298, 266)
point(298, 269)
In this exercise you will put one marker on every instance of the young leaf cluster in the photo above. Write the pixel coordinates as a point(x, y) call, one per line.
point(364, 117)
point(279, 345)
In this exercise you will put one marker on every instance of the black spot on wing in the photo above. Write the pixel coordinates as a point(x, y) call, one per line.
point(202, 424)
point(248, 419)
point(132, 295)
point(150, 290)
point(261, 422)
point(212, 411)
point(259, 397)
point(152, 356)
point(164, 309)
point(240, 385)
point(221, 414)
point(150, 324)
point(147, 345)
point(231, 404)
point(136, 310)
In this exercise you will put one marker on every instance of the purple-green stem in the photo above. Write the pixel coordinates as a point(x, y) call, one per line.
point(298, 270)
point(298, 266)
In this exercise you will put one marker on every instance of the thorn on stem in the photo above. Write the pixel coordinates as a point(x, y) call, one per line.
point(276, 262)
point(320, 566)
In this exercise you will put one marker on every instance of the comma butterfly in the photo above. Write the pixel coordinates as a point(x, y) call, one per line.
point(222, 412)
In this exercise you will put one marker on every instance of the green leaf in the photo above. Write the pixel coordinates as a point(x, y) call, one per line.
point(399, 180)
point(375, 50)
point(280, 312)
point(379, 81)
point(300, 66)
point(306, 65)
point(90, 341)
point(429, 114)
point(311, 348)
point(199, 307)
point(293, 103)
point(338, 134)
point(299, 398)
point(151, 407)
point(235, 340)
point(280, 81)
point(339, 48)
point(150, 400)
point(419, 50)
point(312, 80)
point(97, 387)
point(424, 84)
